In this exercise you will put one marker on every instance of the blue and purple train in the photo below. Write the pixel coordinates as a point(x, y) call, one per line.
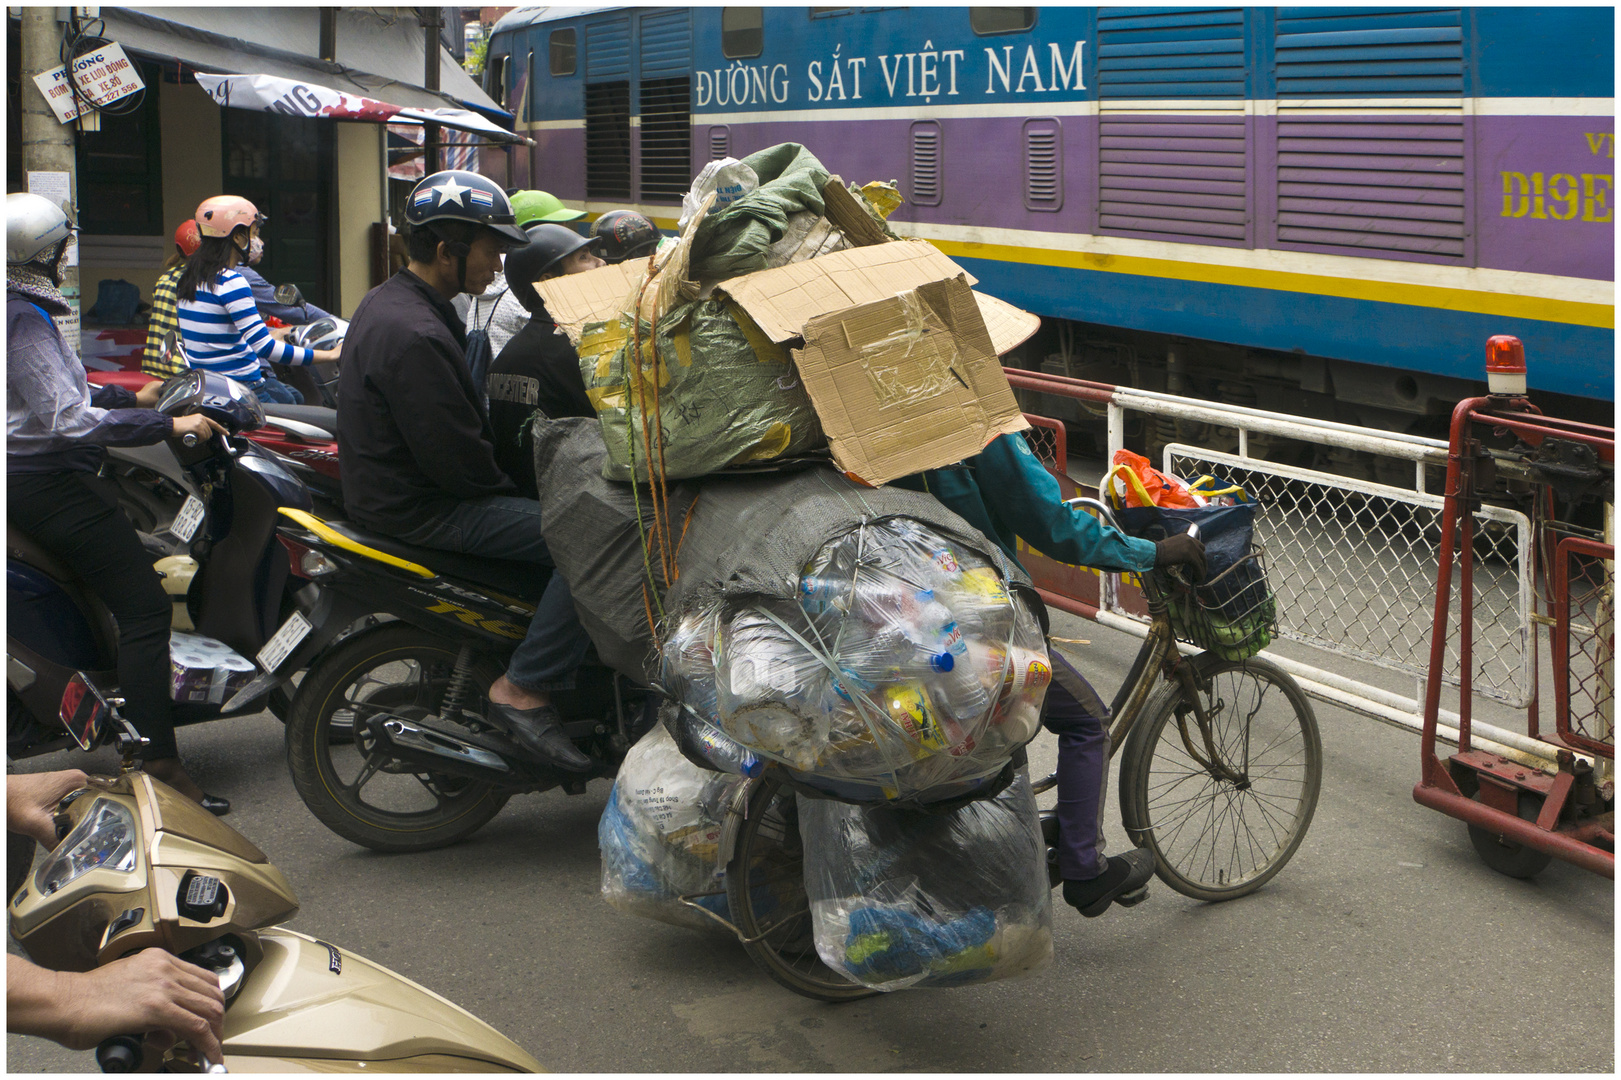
point(1315, 210)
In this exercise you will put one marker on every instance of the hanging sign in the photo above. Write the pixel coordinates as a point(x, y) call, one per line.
point(104, 75)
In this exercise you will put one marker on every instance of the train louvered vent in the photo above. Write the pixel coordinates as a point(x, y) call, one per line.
point(926, 163)
point(1389, 179)
point(607, 48)
point(666, 138)
point(1173, 146)
point(720, 143)
point(666, 102)
point(607, 140)
point(1043, 165)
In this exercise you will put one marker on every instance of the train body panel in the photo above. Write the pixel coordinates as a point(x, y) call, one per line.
point(1383, 188)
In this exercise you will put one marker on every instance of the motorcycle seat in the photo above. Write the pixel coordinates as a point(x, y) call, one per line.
point(318, 415)
point(522, 580)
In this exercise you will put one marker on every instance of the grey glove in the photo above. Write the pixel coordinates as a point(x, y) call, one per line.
point(1181, 551)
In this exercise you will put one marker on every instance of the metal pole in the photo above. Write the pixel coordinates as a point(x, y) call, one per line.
point(47, 142)
point(431, 24)
point(329, 33)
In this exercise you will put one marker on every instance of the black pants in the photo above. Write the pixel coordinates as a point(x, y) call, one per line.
point(76, 516)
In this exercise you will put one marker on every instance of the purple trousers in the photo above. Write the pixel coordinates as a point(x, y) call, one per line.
point(1074, 712)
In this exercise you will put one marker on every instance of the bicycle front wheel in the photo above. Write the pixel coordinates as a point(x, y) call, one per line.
point(1224, 802)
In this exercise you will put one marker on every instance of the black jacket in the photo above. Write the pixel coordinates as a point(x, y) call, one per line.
point(412, 433)
point(538, 369)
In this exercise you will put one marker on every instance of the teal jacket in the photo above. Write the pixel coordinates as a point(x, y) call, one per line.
point(1004, 492)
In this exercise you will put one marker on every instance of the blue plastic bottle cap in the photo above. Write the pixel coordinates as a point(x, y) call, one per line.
point(942, 661)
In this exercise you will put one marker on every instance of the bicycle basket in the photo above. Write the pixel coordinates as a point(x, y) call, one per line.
point(1232, 615)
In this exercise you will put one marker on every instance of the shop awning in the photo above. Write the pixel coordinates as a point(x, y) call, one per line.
point(290, 97)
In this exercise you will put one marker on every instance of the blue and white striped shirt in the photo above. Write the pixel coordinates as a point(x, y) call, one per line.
point(223, 333)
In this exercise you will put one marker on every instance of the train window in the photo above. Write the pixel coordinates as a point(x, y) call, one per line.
point(1043, 165)
point(742, 31)
point(1001, 20)
point(926, 163)
point(563, 53)
point(495, 80)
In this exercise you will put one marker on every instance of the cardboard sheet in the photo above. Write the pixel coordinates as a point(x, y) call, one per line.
point(908, 382)
point(782, 300)
point(594, 296)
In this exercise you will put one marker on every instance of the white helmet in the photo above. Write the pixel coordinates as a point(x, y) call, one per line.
point(34, 225)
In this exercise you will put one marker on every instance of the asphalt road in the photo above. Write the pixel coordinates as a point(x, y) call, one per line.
point(1385, 946)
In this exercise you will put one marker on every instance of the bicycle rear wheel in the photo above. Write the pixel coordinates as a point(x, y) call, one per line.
point(765, 888)
point(1222, 825)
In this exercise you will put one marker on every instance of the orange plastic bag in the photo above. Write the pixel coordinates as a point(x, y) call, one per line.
point(1133, 481)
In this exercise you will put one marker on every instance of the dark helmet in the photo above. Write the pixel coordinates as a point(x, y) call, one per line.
point(548, 245)
point(624, 234)
point(439, 201)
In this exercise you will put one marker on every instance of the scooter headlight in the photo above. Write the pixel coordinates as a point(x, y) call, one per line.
point(104, 839)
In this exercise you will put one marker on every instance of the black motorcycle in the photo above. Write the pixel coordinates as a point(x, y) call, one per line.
point(387, 740)
point(228, 578)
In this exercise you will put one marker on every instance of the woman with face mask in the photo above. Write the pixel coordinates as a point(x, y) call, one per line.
point(218, 319)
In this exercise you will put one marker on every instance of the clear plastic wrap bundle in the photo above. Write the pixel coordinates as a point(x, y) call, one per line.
point(660, 834)
point(902, 669)
point(904, 898)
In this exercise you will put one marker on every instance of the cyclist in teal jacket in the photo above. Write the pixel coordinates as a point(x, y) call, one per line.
point(1006, 493)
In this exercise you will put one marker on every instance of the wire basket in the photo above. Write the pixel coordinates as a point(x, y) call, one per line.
point(1232, 615)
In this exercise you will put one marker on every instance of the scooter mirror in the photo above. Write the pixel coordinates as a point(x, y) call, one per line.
point(84, 711)
point(288, 294)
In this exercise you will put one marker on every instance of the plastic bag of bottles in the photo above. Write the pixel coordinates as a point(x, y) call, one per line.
point(902, 668)
point(660, 835)
point(903, 898)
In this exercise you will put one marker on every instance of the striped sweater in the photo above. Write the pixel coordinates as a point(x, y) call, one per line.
point(223, 332)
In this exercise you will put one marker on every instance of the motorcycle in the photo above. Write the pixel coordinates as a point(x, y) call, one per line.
point(140, 866)
point(222, 567)
point(387, 738)
point(327, 332)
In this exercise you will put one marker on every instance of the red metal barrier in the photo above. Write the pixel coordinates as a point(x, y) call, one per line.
point(1571, 823)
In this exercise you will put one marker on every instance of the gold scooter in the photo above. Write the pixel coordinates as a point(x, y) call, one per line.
point(141, 866)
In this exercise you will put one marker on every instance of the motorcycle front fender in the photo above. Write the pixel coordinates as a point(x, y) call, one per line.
point(311, 1007)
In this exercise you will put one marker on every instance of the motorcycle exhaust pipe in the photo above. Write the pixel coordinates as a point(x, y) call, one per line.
point(414, 743)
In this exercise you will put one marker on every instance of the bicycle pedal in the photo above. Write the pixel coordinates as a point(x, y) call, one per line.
point(1133, 898)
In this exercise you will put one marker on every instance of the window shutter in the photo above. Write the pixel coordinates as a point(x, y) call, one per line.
point(926, 181)
point(1173, 141)
point(1389, 179)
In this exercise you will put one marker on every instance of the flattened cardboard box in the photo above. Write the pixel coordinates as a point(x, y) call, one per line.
point(593, 296)
point(907, 383)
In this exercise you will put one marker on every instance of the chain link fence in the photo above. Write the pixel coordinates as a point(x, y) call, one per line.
point(1587, 649)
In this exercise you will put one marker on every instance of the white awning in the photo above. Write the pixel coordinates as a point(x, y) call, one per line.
point(300, 97)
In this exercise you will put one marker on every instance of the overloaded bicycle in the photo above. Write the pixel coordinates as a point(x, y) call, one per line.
point(1220, 769)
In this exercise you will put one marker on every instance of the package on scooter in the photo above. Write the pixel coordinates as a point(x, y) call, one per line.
point(905, 663)
point(660, 835)
point(907, 898)
point(202, 669)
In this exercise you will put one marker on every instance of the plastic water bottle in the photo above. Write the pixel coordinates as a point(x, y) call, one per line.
point(717, 748)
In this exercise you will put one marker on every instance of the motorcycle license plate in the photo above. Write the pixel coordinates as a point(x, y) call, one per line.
point(283, 642)
point(185, 523)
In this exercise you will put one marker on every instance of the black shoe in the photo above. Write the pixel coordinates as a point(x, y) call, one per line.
point(537, 731)
point(1127, 875)
point(215, 805)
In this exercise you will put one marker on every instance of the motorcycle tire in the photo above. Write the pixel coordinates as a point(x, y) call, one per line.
point(395, 666)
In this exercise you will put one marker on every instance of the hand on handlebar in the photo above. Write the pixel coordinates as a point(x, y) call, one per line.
point(328, 356)
point(31, 800)
point(153, 992)
point(198, 426)
point(147, 396)
point(1184, 550)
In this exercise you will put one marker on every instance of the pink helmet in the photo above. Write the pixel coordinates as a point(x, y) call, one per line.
point(223, 214)
point(187, 238)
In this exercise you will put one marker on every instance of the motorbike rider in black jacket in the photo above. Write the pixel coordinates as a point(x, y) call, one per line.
point(418, 451)
point(56, 429)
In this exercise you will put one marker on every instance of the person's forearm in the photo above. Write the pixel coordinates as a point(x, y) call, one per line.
point(36, 999)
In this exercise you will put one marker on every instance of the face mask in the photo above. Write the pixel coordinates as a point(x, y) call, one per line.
point(256, 250)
